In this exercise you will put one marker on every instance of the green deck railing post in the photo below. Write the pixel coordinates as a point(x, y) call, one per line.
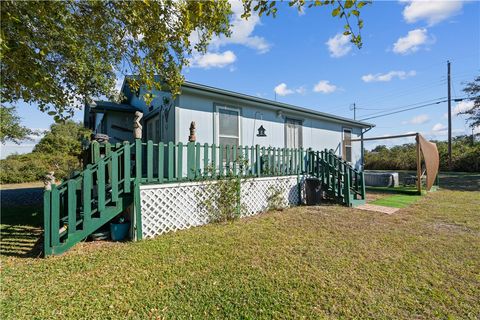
point(47, 230)
point(257, 161)
point(214, 160)
point(362, 185)
point(171, 164)
point(87, 196)
point(138, 160)
point(220, 160)
point(126, 167)
point(197, 172)
point(205, 161)
point(114, 179)
point(55, 229)
point(180, 161)
point(101, 185)
point(149, 160)
point(72, 206)
point(346, 191)
point(190, 160)
point(161, 162)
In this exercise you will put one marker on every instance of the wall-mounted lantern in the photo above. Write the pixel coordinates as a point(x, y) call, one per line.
point(261, 132)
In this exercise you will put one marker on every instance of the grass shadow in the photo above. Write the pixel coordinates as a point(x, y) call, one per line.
point(21, 231)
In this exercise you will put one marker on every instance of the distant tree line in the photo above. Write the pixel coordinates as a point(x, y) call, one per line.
point(465, 155)
point(59, 150)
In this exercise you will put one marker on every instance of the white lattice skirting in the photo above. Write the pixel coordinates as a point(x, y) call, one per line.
point(171, 207)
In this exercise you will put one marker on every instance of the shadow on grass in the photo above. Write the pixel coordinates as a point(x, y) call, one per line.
point(21, 231)
point(460, 181)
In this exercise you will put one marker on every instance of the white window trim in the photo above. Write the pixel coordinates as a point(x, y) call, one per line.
point(217, 123)
point(344, 146)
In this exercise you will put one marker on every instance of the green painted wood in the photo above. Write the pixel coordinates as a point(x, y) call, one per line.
point(198, 171)
point(362, 185)
point(138, 159)
point(126, 166)
point(95, 152)
point(114, 180)
point(87, 195)
point(108, 151)
point(346, 191)
point(55, 218)
point(180, 161)
point(191, 160)
point(234, 160)
point(214, 159)
point(246, 169)
point(101, 185)
point(205, 159)
point(258, 169)
point(47, 214)
point(220, 160)
point(161, 162)
point(252, 161)
point(171, 165)
point(149, 160)
point(138, 211)
point(274, 163)
point(227, 159)
point(72, 206)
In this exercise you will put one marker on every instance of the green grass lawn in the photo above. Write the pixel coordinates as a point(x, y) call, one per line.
point(397, 200)
point(422, 262)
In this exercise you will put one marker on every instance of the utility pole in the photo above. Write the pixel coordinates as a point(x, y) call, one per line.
point(354, 108)
point(449, 118)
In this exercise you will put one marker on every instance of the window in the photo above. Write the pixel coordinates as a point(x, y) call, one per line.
point(228, 126)
point(153, 129)
point(347, 145)
point(293, 133)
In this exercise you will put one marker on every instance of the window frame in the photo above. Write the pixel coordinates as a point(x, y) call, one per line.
point(217, 135)
point(344, 144)
point(300, 121)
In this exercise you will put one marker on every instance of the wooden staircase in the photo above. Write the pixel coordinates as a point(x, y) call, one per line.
point(110, 184)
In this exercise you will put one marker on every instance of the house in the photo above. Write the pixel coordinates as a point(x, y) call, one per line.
point(227, 117)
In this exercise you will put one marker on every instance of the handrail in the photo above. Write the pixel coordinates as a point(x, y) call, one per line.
point(73, 205)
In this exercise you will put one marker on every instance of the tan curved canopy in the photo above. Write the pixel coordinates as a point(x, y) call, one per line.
point(432, 159)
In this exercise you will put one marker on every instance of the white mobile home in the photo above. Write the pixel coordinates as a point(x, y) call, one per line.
point(226, 117)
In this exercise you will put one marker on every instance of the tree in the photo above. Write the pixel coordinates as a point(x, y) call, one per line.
point(63, 138)
point(472, 89)
point(60, 53)
point(10, 127)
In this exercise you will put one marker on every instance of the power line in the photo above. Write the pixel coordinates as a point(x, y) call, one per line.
point(412, 108)
point(404, 106)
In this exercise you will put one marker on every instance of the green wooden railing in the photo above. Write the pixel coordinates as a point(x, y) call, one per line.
point(110, 181)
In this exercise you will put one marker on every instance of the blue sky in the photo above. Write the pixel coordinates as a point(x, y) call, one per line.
point(402, 63)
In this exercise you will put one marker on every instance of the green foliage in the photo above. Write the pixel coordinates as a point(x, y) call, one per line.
point(465, 156)
point(275, 199)
point(33, 167)
point(224, 205)
point(472, 89)
point(10, 127)
point(59, 151)
point(346, 10)
point(60, 53)
point(64, 138)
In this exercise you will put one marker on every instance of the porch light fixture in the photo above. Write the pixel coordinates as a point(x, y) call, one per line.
point(261, 132)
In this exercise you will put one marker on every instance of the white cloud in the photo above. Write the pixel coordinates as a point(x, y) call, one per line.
point(439, 127)
point(283, 90)
point(242, 30)
point(420, 119)
point(463, 106)
point(412, 42)
point(213, 60)
point(324, 86)
point(431, 11)
point(339, 45)
point(379, 77)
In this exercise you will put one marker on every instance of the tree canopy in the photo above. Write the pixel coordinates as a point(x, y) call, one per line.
point(10, 127)
point(59, 54)
point(472, 89)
